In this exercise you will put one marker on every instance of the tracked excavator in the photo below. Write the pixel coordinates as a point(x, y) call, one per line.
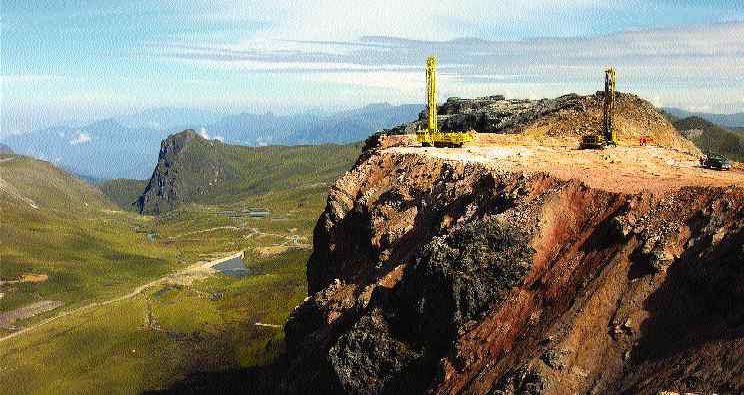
point(432, 135)
point(608, 137)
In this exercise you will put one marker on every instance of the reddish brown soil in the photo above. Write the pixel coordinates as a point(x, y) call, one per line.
point(636, 284)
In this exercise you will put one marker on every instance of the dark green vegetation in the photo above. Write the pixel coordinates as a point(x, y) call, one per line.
point(123, 192)
point(712, 138)
point(189, 319)
point(193, 169)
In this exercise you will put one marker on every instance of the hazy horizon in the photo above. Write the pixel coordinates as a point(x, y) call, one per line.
point(85, 60)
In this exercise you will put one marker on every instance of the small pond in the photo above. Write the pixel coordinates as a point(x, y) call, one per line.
point(234, 267)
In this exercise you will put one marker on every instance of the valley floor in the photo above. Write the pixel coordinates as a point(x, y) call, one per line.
point(188, 275)
point(156, 329)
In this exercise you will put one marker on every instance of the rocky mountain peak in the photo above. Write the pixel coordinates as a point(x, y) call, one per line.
point(188, 165)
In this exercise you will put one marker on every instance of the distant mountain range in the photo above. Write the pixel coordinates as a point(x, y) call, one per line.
point(167, 118)
point(128, 146)
point(104, 149)
point(729, 120)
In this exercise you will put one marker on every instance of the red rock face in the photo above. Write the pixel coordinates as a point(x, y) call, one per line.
point(624, 292)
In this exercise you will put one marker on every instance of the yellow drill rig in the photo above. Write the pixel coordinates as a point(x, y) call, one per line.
point(608, 135)
point(432, 135)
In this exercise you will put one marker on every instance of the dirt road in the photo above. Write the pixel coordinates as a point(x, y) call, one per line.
point(204, 267)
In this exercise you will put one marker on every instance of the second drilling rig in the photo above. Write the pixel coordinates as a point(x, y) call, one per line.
point(609, 134)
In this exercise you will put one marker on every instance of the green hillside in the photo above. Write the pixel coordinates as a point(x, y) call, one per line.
point(67, 235)
point(193, 169)
point(712, 138)
point(92, 251)
point(123, 192)
point(28, 179)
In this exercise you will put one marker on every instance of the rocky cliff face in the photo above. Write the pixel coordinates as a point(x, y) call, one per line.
point(188, 166)
point(455, 276)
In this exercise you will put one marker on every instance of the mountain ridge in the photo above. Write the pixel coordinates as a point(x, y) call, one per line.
point(726, 120)
point(121, 147)
point(191, 168)
point(499, 268)
point(712, 138)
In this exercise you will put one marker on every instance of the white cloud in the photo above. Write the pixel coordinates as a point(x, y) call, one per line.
point(693, 66)
point(203, 132)
point(80, 138)
point(695, 51)
point(420, 19)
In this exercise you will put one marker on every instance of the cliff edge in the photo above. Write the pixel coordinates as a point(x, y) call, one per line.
point(519, 264)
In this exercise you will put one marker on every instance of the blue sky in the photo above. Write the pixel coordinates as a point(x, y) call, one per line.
point(81, 60)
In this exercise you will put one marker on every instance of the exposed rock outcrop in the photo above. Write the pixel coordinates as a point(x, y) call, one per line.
point(455, 276)
point(192, 169)
point(566, 117)
point(188, 166)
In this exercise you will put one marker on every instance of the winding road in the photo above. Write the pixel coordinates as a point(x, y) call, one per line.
point(133, 293)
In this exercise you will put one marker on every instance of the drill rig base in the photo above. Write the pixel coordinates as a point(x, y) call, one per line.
point(444, 139)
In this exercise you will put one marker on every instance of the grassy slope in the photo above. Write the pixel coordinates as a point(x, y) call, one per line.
point(92, 351)
point(715, 138)
point(249, 171)
point(273, 168)
point(87, 249)
point(108, 348)
point(123, 192)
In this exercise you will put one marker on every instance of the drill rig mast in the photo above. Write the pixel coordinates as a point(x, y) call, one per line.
point(431, 93)
point(609, 134)
point(432, 134)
